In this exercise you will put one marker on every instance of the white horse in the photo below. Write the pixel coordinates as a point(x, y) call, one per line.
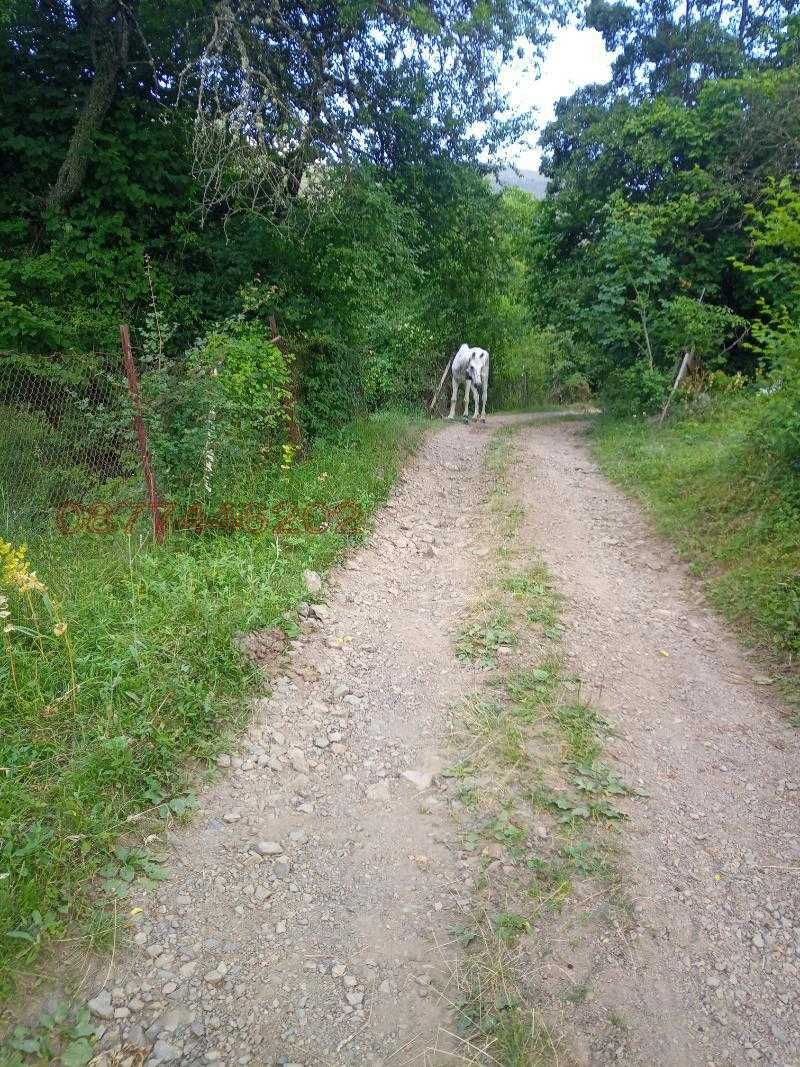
point(471, 369)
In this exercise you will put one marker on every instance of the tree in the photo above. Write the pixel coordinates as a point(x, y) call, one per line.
point(106, 29)
point(664, 48)
point(650, 178)
point(271, 88)
point(281, 86)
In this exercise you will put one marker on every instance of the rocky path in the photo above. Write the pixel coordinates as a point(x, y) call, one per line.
point(309, 915)
point(309, 908)
point(710, 971)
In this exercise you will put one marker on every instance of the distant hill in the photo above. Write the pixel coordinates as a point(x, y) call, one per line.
point(530, 180)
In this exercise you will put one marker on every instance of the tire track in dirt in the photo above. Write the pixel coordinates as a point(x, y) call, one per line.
point(310, 905)
point(707, 972)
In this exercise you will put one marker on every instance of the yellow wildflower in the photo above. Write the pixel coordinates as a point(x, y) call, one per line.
point(60, 629)
point(15, 570)
point(289, 451)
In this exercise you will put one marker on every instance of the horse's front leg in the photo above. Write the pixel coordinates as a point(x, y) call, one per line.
point(477, 394)
point(453, 398)
point(467, 394)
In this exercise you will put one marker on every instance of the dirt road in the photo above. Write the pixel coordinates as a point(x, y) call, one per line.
point(709, 974)
point(310, 914)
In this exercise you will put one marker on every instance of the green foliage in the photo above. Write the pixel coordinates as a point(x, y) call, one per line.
point(253, 377)
point(350, 294)
point(635, 255)
point(775, 271)
point(221, 408)
point(632, 275)
point(721, 498)
point(673, 50)
point(778, 429)
point(635, 390)
point(774, 229)
point(689, 325)
point(58, 1035)
point(566, 366)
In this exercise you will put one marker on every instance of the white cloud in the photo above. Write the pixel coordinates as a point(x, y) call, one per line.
point(575, 58)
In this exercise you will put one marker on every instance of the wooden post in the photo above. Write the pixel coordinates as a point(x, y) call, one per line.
point(688, 359)
point(141, 434)
point(441, 383)
point(685, 367)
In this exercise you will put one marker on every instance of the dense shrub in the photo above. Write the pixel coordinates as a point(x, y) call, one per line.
point(222, 406)
point(636, 390)
point(774, 267)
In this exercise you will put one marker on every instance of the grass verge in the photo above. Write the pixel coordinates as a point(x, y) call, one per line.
point(735, 520)
point(120, 679)
point(536, 806)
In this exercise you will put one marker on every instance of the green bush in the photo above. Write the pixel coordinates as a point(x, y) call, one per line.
point(688, 325)
point(221, 408)
point(778, 428)
point(774, 270)
point(331, 391)
point(566, 367)
point(636, 390)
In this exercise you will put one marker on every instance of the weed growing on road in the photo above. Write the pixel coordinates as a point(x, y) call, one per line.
point(489, 1013)
point(540, 805)
point(484, 640)
point(58, 1036)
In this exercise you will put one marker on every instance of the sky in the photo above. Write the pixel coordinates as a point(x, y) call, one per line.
point(574, 58)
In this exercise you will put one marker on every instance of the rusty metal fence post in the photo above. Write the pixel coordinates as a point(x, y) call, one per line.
point(295, 433)
point(141, 434)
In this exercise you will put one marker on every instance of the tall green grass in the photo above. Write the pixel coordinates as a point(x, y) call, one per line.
point(731, 511)
point(160, 681)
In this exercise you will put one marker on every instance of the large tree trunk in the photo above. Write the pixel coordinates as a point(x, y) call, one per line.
point(107, 26)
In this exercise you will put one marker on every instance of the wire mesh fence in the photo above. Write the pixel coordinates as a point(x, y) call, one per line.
point(65, 432)
point(115, 440)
